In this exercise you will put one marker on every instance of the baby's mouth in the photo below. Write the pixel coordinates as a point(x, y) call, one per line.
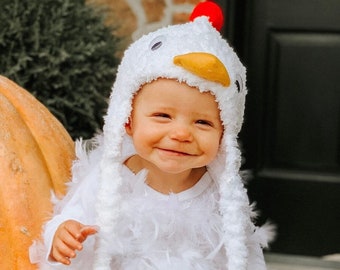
point(175, 152)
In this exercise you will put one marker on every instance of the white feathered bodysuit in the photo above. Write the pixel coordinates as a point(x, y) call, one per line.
point(210, 226)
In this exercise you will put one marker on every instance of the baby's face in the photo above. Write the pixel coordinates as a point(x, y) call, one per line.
point(174, 126)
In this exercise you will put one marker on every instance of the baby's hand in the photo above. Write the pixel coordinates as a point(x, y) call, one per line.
point(68, 238)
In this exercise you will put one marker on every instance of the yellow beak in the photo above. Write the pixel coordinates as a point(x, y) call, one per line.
point(204, 65)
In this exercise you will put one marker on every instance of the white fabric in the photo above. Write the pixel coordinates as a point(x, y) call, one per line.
point(156, 231)
point(141, 64)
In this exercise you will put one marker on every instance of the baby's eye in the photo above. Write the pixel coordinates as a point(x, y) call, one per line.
point(204, 122)
point(161, 115)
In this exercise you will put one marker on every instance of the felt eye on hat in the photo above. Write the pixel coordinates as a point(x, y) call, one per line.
point(239, 83)
point(156, 43)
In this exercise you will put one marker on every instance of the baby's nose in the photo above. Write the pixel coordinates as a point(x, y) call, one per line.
point(181, 132)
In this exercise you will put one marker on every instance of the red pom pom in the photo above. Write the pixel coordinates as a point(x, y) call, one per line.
point(211, 10)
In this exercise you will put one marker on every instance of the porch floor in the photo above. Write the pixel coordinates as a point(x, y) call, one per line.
point(293, 262)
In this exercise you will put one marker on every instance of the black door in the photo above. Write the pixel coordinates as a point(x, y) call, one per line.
point(291, 136)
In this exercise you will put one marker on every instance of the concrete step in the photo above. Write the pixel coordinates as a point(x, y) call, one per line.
point(294, 262)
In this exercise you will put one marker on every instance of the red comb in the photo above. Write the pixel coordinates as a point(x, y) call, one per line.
point(211, 10)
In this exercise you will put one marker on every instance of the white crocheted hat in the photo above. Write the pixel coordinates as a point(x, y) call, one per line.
point(194, 53)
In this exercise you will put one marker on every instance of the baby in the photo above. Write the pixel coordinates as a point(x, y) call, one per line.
point(162, 189)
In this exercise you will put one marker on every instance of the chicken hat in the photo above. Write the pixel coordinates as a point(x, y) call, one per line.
point(196, 54)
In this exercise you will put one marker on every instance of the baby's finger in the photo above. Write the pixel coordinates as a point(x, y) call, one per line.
point(70, 241)
point(63, 260)
point(62, 253)
point(86, 231)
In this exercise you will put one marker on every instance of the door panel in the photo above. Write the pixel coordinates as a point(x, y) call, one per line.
point(304, 102)
point(291, 135)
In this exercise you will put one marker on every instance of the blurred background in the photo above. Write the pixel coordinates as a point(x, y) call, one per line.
point(66, 53)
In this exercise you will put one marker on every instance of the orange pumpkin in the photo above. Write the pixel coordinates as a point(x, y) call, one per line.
point(36, 153)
